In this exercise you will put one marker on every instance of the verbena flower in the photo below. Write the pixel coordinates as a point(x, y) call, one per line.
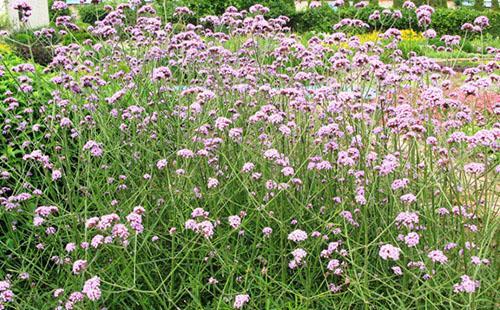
point(388, 251)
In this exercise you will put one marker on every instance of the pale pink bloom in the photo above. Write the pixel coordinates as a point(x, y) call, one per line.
point(467, 285)
point(185, 153)
point(397, 270)
point(96, 241)
point(240, 301)
point(58, 292)
point(206, 228)
point(474, 168)
point(70, 247)
point(92, 289)
point(438, 256)
point(199, 212)
point(247, 167)
point(56, 175)
point(234, 221)
point(297, 235)
point(408, 198)
point(333, 264)
point(212, 183)
point(79, 266)
point(388, 251)
point(412, 239)
point(161, 164)
point(267, 231)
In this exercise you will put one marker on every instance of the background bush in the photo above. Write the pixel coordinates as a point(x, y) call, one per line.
point(202, 8)
point(447, 21)
point(444, 21)
point(90, 13)
point(321, 19)
point(28, 46)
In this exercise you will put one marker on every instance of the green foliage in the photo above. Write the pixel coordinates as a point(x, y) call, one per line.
point(9, 83)
point(322, 18)
point(318, 19)
point(29, 46)
point(90, 13)
point(77, 36)
point(444, 21)
point(8, 60)
point(4, 21)
point(408, 47)
point(277, 8)
point(165, 8)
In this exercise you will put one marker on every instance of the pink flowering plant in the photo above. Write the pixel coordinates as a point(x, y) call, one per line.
point(231, 164)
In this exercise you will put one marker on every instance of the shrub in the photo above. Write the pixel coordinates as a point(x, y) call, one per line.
point(28, 46)
point(320, 19)
point(444, 21)
point(77, 37)
point(202, 8)
point(448, 21)
point(90, 13)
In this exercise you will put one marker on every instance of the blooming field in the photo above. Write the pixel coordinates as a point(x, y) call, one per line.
point(228, 165)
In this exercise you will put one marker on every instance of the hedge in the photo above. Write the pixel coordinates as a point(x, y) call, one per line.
point(444, 21)
point(322, 18)
point(203, 8)
point(90, 13)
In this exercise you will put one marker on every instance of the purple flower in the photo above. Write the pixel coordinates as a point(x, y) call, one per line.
point(56, 175)
point(161, 73)
point(298, 258)
point(234, 221)
point(267, 231)
point(92, 288)
point(424, 13)
point(429, 34)
point(466, 285)
point(482, 21)
point(24, 10)
point(59, 5)
point(409, 5)
point(397, 270)
point(94, 148)
point(474, 168)
point(387, 251)
point(240, 301)
point(408, 198)
point(412, 239)
point(79, 266)
point(297, 235)
point(438, 256)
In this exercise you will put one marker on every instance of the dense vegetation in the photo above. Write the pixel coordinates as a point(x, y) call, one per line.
point(156, 164)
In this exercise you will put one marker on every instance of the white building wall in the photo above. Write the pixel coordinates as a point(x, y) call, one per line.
point(39, 15)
